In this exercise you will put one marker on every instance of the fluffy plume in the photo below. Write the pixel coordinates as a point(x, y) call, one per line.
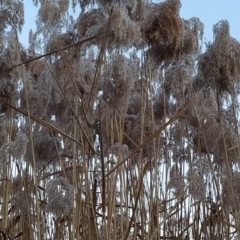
point(19, 146)
point(40, 87)
point(50, 11)
point(193, 36)
point(176, 182)
point(60, 196)
point(200, 167)
point(163, 30)
point(122, 31)
point(137, 10)
point(219, 66)
point(83, 4)
point(178, 78)
point(58, 41)
point(168, 35)
point(3, 128)
point(12, 14)
point(116, 82)
point(197, 186)
point(181, 155)
point(21, 199)
point(46, 148)
point(231, 200)
point(119, 148)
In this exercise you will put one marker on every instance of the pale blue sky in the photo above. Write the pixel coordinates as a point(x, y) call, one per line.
point(211, 12)
point(208, 11)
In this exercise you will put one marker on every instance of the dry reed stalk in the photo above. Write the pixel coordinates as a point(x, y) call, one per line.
point(23, 74)
point(179, 113)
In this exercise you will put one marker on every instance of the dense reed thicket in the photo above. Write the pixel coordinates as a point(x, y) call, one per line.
point(115, 124)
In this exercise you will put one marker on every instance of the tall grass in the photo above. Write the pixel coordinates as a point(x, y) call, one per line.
point(123, 129)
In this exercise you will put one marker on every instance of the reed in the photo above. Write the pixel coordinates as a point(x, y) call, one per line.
point(115, 125)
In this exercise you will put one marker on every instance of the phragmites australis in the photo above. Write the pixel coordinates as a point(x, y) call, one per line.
point(231, 187)
point(168, 35)
point(116, 83)
point(163, 30)
point(13, 14)
point(120, 28)
point(60, 196)
point(197, 186)
point(18, 147)
point(47, 148)
point(117, 148)
point(178, 78)
point(50, 14)
point(176, 182)
point(21, 199)
point(219, 66)
point(115, 125)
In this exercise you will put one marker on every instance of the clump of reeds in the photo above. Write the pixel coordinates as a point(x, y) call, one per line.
point(60, 196)
point(168, 35)
point(123, 129)
point(219, 65)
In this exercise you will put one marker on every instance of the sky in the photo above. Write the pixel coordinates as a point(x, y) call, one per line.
point(209, 12)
